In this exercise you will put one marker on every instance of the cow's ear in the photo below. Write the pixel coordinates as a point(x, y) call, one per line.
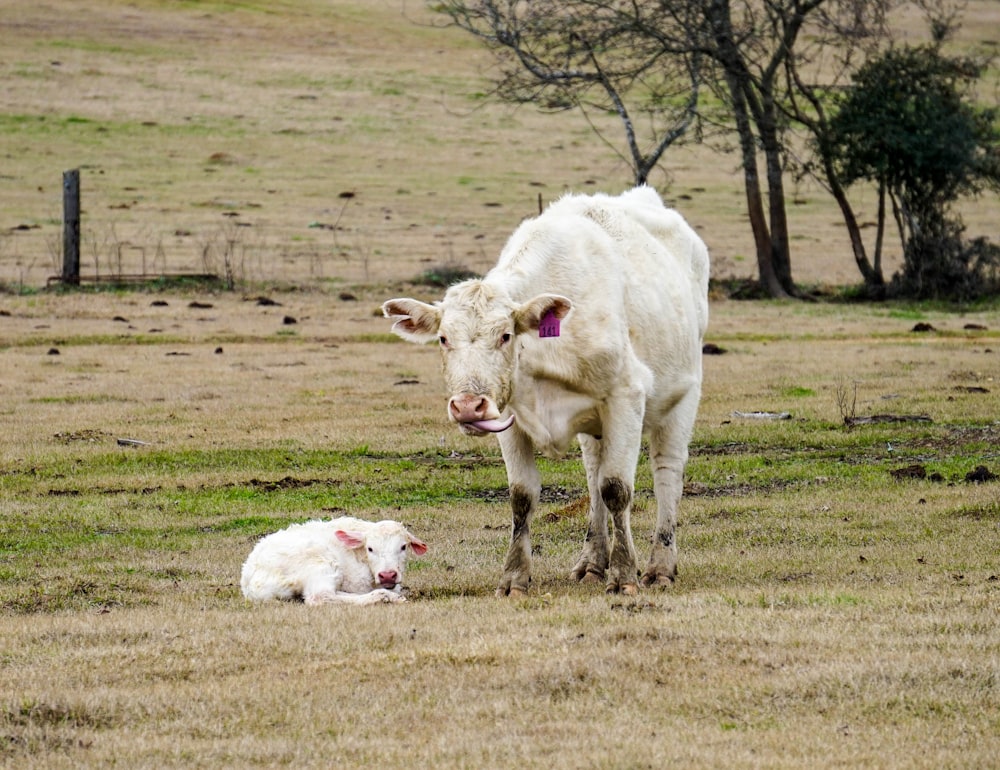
point(528, 316)
point(415, 321)
point(419, 546)
point(350, 539)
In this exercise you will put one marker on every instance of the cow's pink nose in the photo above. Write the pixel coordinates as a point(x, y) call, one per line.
point(468, 407)
point(388, 577)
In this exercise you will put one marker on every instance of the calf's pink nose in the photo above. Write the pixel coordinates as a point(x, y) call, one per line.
point(468, 407)
point(389, 576)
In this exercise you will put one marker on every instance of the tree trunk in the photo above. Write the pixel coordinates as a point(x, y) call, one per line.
point(770, 280)
point(780, 251)
point(737, 79)
point(871, 274)
point(880, 233)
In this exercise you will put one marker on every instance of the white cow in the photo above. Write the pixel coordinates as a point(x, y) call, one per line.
point(341, 561)
point(590, 325)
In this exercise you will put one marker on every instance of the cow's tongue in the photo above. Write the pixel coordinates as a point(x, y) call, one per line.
point(493, 426)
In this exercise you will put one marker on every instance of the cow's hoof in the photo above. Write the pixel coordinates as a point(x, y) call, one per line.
point(511, 593)
point(628, 589)
point(661, 578)
point(587, 571)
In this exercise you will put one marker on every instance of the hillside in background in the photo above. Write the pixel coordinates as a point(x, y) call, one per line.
point(325, 142)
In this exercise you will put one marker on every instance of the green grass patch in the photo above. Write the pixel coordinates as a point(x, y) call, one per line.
point(796, 392)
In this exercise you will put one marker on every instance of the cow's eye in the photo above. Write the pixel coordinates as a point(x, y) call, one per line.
point(505, 338)
point(443, 340)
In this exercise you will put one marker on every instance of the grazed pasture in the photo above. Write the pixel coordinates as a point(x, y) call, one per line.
point(828, 612)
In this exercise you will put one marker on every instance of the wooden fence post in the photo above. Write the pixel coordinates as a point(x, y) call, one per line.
point(71, 227)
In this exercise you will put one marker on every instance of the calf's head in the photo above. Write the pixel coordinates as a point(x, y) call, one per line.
point(476, 325)
point(384, 547)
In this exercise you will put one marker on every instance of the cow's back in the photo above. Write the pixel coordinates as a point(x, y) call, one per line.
point(677, 237)
point(636, 272)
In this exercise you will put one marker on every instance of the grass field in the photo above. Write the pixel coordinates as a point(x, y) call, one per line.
point(837, 603)
point(826, 612)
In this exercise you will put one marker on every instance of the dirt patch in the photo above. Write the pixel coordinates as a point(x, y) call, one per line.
point(958, 437)
point(578, 507)
point(288, 482)
point(980, 475)
point(548, 494)
point(88, 435)
point(915, 471)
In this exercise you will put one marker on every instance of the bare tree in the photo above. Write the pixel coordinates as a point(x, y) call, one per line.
point(823, 40)
point(641, 56)
point(593, 56)
point(813, 93)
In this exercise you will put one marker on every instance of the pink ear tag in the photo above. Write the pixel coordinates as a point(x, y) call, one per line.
point(549, 325)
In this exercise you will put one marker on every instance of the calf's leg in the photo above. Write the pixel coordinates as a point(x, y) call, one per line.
point(321, 585)
point(378, 596)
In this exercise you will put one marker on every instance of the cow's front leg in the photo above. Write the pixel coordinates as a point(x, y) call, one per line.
point(593, 561)
point(621, 443)
point(617, 494)
point(525, 485)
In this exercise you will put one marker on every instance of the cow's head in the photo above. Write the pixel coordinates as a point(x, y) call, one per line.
point(382, 545)
point(476, 325)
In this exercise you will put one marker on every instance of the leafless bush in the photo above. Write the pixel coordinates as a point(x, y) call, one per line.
point(847, 400)
point(7, 247)
point(363, 251)
point(54, 247)
point(115, 256)
point(226, 252)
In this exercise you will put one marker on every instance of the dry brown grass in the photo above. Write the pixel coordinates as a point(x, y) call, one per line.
point(825, 615)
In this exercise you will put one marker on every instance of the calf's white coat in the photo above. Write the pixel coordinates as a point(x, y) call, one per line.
point(627, 281)
point(345, 561)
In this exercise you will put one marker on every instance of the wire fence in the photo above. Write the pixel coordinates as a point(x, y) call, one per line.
point(234, 249)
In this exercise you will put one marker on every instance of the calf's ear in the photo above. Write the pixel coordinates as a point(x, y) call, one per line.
point(529, 315)
point(419, 546)
point(350, 539)
point(415, 321)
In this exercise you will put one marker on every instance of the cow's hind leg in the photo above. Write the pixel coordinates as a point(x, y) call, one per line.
point(320, 584)
point(525, 485)
point(620, 454)
point(593, 561)
point(668, 451)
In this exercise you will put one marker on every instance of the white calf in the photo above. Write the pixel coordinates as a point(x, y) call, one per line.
point(341, 561)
